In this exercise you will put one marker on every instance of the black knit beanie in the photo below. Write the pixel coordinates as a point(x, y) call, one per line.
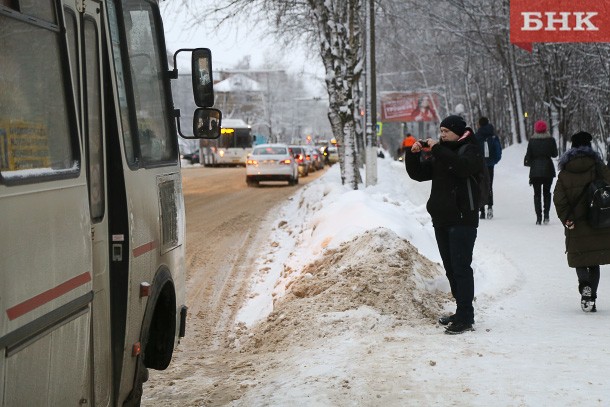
point(581, 139)
point(454, 123)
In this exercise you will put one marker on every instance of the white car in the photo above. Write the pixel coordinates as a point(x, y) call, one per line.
point(271, 162)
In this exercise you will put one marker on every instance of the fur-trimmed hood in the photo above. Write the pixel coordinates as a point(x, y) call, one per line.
point(584, 151)
point(546, 134)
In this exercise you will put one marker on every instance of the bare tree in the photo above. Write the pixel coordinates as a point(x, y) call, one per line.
point(334, 28)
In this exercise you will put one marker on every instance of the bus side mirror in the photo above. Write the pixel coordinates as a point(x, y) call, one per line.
point(203, 84)
point(206, 123)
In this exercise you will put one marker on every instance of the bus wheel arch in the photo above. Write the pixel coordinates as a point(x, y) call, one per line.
point(159, 325)
point(157, 346)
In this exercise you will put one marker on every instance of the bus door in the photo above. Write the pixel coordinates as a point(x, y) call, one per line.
point(85, 35)
point(144, 189)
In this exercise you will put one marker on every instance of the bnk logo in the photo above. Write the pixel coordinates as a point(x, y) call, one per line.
point(563, 21)
point(559, 21)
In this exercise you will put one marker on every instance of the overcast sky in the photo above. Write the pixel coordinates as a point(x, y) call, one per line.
point(231, 43)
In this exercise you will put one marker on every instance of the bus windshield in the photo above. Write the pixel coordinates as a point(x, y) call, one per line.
point(235, 138)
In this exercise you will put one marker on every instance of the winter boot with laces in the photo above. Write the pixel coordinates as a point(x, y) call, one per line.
point(587, 303)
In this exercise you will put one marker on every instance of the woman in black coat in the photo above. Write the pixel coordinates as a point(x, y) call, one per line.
point(540, 149)
point(586, 247)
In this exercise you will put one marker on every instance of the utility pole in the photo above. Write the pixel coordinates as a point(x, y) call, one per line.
point(371, 100)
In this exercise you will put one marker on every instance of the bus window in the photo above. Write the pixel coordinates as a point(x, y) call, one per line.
point(35, 136)
point(70, 19)
point(157, 142)
point(95, 152)
point(43, 9)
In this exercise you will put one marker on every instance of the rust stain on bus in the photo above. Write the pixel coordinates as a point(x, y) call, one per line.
point(47, 296)
point(145, 248)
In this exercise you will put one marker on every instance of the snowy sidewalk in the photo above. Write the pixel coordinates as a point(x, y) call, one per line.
point(533, 346)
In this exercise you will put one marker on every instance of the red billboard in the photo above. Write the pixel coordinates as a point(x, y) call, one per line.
point(559, 21)
point(409, 107)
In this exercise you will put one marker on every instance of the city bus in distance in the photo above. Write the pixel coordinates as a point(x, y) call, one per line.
point(92, 242)
point(233, 146)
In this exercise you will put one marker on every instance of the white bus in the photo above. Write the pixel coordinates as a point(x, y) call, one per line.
point(92, 269)
point(233, 146)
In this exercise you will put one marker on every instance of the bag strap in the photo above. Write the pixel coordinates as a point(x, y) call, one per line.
point(584, 191)
point(573, 206)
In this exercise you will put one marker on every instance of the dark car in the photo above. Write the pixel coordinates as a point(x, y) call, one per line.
point(303, 159)
point(193, 157)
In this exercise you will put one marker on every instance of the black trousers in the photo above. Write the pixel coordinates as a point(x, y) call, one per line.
point(588, 276)
point(490, 200)
point(542, 189)
point(455, 245)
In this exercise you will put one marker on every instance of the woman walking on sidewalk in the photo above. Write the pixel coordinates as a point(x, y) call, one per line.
point(586, 247)
point(540, 149)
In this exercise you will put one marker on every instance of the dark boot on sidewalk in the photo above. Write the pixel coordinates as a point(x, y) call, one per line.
point(547, 207)
point(538, 208)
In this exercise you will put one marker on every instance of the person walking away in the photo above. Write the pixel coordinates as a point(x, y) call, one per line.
point(407, 142)
point(540, 149)
point(454, 211)
point(492, 151)
point(586, 247)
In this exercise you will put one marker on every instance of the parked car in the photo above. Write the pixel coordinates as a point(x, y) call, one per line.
point(193, 157)
point(271, 162)
point(303, 161)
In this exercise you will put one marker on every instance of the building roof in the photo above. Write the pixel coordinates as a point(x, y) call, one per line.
point(234, 123)
point(236, 83)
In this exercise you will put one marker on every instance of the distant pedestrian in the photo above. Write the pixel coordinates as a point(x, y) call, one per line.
point(454, 211)
point(492, 151)
point(326, 155)
point(586, 247)
point(540, 149)
point(407, 142)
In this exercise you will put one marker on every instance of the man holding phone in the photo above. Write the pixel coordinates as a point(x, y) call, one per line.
point(455, 214)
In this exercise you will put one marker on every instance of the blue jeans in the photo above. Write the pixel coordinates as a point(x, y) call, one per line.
point(455, 245)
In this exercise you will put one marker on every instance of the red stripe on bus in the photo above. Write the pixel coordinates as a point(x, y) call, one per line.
point(145, 248)
point(47, 296)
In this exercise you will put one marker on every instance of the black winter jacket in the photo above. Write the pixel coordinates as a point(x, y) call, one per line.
point(449, 204)
point(540, 149)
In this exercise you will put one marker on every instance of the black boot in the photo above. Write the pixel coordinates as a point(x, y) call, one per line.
point(547, 207)
point(538, 208)
point(446, 319)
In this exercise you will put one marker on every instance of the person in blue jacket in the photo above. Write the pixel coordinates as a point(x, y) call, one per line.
point(492, 151)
